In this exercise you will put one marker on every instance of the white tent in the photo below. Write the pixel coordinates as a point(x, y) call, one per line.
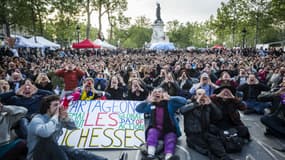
point(46, 43)
point(24, 42)
point(104, 44)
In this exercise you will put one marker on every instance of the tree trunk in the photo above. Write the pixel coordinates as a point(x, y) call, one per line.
point(7, 29)
point(111, 26)
point(88, 19)
point(3, 18)
point(33, 20)
point(100, 17)
point(41, 25)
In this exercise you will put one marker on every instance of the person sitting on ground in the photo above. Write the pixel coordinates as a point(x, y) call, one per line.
point(137, 90)
point(45, 129)
point(185, 84)
point(229, 105)
point(199, 116)
point(226, 79)
point(11, 147)
point(28, 96)
point(115, 88)
point(100, 82)
point(251, 90)
point(43, 82)
point(205, 83)
point(163, 123)
point(88, 92)
point(242, 77)
point(16, 80)
point(275, 122)
point(4, 86)
point(71, 76)
point(170, 85)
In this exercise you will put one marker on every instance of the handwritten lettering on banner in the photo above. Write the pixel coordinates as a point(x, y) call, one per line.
point(104, 124)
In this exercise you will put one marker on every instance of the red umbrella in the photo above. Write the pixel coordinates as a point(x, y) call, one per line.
point(85, 44)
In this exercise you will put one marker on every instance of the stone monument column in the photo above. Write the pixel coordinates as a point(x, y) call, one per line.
point(158, 34)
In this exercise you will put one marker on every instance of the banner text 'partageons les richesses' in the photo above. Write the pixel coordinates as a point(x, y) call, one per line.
point(104, 124)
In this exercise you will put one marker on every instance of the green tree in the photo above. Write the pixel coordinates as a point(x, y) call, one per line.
point(136, 35)
point(115, 9)
point(65, 21)
point(14, 13)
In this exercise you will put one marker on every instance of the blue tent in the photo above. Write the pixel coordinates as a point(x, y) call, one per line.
point(165, 46)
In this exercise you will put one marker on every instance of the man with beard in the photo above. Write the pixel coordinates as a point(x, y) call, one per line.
point(163, 123)
point(199, 116)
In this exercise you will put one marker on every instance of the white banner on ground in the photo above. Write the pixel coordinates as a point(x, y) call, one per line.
point(105, 124)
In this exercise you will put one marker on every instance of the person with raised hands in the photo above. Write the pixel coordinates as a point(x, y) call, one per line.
point(205, 83)
point(224, 98)
point(71, 76)
point(163, 124)
point(199, 117)
point(45, 129)
point(251, 89)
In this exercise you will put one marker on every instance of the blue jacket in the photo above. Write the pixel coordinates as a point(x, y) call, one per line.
point(44, 126)
point(31, 103)
point(174, 103)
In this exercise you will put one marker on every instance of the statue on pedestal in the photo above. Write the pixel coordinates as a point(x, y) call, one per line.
point(158, 34)
point(158, 17)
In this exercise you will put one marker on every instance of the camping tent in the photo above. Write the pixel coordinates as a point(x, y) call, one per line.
point(85, 44)
point(24, 42)
point(43, 41)
point(104, 44)
point(217, 46)
point(165, 46)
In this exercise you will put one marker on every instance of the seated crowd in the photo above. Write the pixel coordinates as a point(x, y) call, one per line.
point(209, 90)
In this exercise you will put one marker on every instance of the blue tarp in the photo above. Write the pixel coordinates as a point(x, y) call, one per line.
point(165, 46)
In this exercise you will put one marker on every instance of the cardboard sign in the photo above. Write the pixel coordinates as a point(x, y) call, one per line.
point(104, 124)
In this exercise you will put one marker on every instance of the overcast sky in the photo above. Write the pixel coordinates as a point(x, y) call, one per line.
point(182, 10)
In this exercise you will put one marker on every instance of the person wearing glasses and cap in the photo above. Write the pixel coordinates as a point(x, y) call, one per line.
point(205, 83)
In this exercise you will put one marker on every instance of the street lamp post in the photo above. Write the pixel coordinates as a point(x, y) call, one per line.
point(243, 32)
point(78, 31)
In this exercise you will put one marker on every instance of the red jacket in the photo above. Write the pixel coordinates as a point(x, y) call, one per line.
point(70, 78)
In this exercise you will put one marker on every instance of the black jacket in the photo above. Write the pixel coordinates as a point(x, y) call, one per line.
point(197, 118)
point(252, 91)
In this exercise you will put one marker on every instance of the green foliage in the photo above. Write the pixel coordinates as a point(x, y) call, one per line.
point(133, 37)
point(264, 21)
point(189, 34)
point(257, 16)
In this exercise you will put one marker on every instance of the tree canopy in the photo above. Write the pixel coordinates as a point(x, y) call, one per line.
point(255, 21)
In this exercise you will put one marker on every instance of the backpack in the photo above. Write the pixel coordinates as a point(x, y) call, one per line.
point(232, 142)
